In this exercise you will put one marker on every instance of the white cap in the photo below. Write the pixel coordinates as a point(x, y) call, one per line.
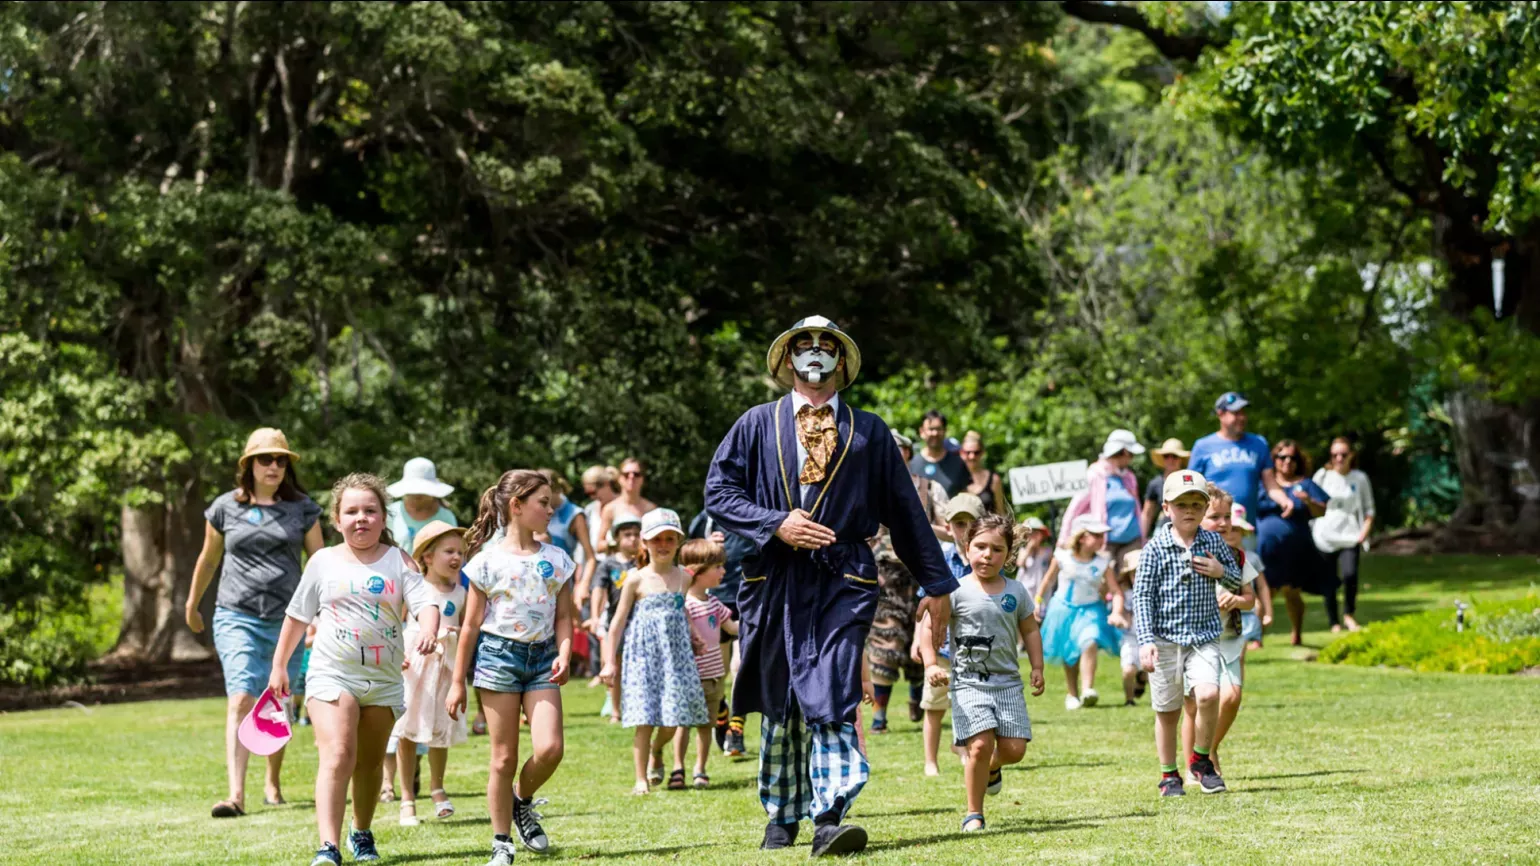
point(624, 518)
point(1087, 523)
point(660, 520)
point(1121, 440)
point(419, 477)
point(1238, 518)
point(1184, 481)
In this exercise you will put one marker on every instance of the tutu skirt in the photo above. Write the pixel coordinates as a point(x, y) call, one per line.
point(426, 681)
point(1068, 628)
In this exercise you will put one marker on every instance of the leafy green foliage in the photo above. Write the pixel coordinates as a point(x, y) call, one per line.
point(1501, 637)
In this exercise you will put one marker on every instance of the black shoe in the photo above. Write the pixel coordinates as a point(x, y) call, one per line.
point(1171, 786)
point(915, 713)
point(1140, 682)
point(879, 724)
point(720, 733)
point(526, 822)
point(831, 840)
point(1206, 776)
point(779, 836)
point(734, 743)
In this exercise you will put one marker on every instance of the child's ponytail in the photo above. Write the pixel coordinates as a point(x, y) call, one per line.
point(489, 517)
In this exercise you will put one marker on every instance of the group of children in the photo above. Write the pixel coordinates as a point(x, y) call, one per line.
point(395, 636)
point(391, 656)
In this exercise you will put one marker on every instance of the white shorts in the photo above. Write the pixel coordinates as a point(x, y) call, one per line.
point(1128, 652)
point(1179, 670)
point(369, 693)
point(1230, 651)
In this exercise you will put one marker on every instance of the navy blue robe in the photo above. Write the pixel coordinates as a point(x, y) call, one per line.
point(804, 614)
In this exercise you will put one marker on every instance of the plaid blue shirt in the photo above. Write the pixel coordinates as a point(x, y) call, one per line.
point(1171, 601)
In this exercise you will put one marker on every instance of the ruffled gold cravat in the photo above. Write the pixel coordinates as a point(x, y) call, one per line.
point(819, 435)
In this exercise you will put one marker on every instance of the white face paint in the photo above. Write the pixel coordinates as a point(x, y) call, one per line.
point(814, 363)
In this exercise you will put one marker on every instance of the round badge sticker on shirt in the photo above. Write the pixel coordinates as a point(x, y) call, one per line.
point(1008, 602)
point(376, 585)
point(545, 569)
point(254, 517)
point(449, 608)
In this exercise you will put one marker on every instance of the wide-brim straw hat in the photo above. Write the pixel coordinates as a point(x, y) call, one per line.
point(1170, 446)
point(775, 359)
point(266, 440)
point(430, 533)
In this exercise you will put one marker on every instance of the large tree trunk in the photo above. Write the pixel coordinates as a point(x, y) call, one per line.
point(160, 545)
point(1497, 444)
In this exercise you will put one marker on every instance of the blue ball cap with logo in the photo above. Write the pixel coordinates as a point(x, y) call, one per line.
point(1231, 401)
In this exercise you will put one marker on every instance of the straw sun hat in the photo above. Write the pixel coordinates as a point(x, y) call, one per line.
point(266, 440)
point(1172, 447)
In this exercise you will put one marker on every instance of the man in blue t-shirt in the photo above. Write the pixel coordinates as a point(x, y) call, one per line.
point(1236, 461)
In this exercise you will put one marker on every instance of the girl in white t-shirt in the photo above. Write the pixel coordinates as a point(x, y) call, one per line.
point(520, 612)
point(358, 594)
point(439, 552)
point(1075, 623)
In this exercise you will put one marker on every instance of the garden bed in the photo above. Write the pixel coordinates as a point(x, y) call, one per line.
point(1498, 637)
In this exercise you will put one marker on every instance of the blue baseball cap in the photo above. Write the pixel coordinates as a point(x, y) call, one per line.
point(1231, 401)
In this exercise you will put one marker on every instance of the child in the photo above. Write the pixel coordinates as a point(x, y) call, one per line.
point(1033, 560)
point(358, 594)
point(605, 596)
point(1076, 622)
point(1176, 617)
point(1122, 619)
point(990, 612)
point(520, 611)
point(439, 551)
point(1251, 622)
point(662, 688)
point(706, 561)
point(1232, 641)
point(961, 513)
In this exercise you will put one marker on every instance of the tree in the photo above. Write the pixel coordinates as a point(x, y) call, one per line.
point(1431, 107)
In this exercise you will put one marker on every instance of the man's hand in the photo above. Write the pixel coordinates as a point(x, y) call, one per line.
point(799, 531)
point(1148, 655)
point(940, 609)
point(719, 536)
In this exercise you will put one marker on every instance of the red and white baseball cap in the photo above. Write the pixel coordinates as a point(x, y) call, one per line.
point(1184, 481)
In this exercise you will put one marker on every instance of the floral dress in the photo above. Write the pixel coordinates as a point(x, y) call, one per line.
point(659, 682)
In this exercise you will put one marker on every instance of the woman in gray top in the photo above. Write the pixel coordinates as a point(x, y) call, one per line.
point(259, 529)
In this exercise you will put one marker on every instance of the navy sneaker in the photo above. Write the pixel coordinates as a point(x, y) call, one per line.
point(1207, 777)
point(1171, 786)
point(327, 855)
point(362, 843)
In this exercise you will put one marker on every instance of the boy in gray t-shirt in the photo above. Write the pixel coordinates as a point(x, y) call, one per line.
point(989, 708)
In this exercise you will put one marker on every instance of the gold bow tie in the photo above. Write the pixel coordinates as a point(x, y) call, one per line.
point(819, 434)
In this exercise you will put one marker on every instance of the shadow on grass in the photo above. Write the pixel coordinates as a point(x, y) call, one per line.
point(907, 813)
point(1064, 764)
point(1305, 775)
point(1014, 827)
point(637, 852)
point(439, 855)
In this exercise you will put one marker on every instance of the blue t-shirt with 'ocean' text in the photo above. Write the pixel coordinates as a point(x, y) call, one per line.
point(1234, 467)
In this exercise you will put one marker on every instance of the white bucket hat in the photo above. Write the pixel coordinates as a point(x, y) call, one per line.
point(775, 359)
point(1121, 440)
point(419, 477)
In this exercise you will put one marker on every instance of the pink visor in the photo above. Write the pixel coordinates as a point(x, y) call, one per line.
point(266, 728)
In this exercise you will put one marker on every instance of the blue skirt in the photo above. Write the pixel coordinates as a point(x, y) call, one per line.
point(1068, 628)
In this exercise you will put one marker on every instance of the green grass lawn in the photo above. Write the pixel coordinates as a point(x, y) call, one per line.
point(1327, 765)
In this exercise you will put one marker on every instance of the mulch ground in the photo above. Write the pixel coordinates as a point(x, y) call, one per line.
point(114, 683)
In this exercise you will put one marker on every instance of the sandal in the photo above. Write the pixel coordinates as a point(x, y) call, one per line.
point(479, 727)
point(655, 768)
point(409, 813)
point(640, 789)
point(228, 809)
point(676, 780)
point(972, 822)
point(442, 808)
point(387, 794)
point(702, 780)
point(268, 801)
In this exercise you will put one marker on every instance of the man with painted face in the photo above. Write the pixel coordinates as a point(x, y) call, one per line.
point(808, 479)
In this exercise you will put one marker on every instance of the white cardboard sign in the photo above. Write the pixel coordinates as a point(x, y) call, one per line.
point(1048, 481)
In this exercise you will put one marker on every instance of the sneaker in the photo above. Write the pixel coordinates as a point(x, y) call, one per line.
point(1071, 702)
point(327, 855)
point(879, 724)
point(1089, 697)
point(734, 743)
point(526, 822)
point(502, 853)
point(1171, 786)
point(362, 843)
point(778, 836)
point(1207, 777)
point(996, 782)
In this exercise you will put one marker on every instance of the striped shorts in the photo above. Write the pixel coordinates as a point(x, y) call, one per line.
point(1002, 709)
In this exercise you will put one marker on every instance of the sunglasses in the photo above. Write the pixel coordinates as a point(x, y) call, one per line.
point(271, 459)
point(1285, 458)
point(632, 475)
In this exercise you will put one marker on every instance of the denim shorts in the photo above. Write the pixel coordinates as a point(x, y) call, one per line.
point(512, 666)
point(245, 645)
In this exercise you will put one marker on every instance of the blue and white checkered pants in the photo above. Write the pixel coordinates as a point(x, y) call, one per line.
point(806, 770)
